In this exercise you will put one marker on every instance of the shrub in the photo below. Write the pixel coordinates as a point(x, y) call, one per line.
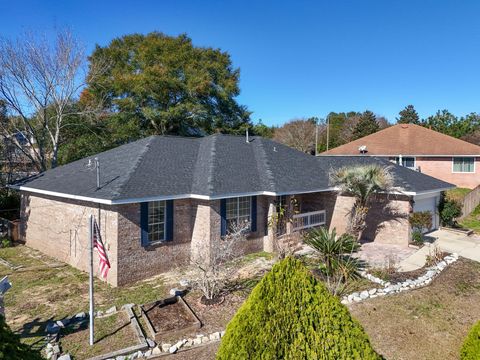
point(471, 347)
point(337, 265)
point(5, 242)
point(10, 346)
point(417, 237)
point(421, 220)
point(450, 210)
point(291, 315)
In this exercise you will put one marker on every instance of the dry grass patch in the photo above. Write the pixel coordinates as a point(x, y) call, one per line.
point(112, 333)
point(428, 323)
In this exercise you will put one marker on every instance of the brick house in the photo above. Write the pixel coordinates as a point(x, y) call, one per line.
point(416, 147)
point(162, 201)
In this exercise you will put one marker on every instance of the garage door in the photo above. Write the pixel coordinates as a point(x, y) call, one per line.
point(428, 204)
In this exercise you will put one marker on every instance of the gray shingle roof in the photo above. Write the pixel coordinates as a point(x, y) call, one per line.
point(212, 166)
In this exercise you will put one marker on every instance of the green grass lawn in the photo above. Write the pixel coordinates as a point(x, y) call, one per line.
point(45, 293)
point(472, 221)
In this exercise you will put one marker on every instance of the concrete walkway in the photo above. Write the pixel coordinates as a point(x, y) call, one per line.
point(466, 246)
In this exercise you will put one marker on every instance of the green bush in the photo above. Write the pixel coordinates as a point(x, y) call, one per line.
point(449, 210)
point(10, 346)
point(421, 220)
point(471, 347)
point(291, 315)
point(5, 242)
point(417, 237)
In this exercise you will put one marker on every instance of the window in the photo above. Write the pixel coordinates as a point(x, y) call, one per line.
point(156, 221)
point(238, 211)
point(407, 161)
point(464, 164)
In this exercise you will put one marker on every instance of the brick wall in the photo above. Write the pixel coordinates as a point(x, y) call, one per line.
point(387, 220)
point(441, 168)
point(137, 262)
point(59, 228)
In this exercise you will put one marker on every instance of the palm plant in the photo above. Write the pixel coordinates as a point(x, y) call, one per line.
point(335, 253)
point(362, 182)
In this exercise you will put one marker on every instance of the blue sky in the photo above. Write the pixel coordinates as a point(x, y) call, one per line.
point(301, 58)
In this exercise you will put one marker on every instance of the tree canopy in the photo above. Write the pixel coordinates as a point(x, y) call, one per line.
point(291, 315)
point(10, 346)
point(298, 134)
point(160, 84)
point(366, 125)
point(408, 116)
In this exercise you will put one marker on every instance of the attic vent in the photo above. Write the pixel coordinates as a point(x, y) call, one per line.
point(362, 149)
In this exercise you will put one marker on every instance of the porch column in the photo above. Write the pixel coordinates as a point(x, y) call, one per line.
point(269, 239)
point(290, 212)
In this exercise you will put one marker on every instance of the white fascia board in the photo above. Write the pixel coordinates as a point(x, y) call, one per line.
point(158, 198)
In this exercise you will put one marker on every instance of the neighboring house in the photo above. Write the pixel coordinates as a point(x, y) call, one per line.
point(14, 163)
point(163, 201)
point(416, 147)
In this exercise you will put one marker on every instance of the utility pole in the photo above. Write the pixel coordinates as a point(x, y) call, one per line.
point(328, 129)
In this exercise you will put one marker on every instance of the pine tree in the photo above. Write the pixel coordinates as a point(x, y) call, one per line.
point(291, 315)
point(367, 125)
point(11, 347)
point(408, 116)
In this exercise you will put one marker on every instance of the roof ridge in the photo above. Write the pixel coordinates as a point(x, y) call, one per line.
point(138, 162)
point(263, 159)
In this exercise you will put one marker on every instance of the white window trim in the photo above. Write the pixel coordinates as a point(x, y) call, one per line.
point(154, 242)
point(407, 156)
point(238, 211)
point(464, 157)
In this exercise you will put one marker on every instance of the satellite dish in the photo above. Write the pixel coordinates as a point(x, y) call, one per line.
point(363, 149)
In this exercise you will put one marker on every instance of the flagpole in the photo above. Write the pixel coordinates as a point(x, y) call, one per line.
point(90, 232)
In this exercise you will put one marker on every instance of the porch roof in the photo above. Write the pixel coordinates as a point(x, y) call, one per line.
point(216, 166)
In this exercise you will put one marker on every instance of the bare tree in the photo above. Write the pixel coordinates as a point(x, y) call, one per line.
point(213, 274)
point(298, 134)
point(39, 82)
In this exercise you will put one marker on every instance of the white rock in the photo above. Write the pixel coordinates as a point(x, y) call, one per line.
point(147, 353)
point(344, 301)
point(156, 351)
point(197, 341)
point(64, 357)
point(166, 347)
point(173, 349)
point(372, 291)
point(184, 282)
point(350, 298)
point(205, 339)
point(357, 299)
point(222, 333)
point(364, 295)
point(111, 310)
point(176, 292)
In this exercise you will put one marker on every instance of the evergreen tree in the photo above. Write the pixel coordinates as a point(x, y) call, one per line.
point(366, 125)
point(291, 315)
point(408, 116)
point(10, 346)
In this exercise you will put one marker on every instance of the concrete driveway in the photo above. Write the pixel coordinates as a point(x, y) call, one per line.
point(452, 242)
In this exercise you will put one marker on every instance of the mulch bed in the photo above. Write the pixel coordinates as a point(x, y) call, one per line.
point(168, 316)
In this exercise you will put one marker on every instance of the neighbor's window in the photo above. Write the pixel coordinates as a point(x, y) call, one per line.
point(156, 221)
point(464, 164)
point(238, 211)
point(407, 161)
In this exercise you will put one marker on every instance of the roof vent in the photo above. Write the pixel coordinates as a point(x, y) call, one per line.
point(363, 149)
point(246, 136)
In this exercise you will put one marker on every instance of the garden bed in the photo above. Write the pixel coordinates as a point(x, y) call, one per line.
point(170, 316)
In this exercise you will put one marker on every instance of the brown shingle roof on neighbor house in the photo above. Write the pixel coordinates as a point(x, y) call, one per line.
point(407, 139)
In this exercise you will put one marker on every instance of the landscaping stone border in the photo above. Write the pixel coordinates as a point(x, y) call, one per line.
point(388, 288)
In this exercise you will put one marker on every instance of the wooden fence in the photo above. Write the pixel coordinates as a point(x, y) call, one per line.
point(10, 229)
point(470, 202)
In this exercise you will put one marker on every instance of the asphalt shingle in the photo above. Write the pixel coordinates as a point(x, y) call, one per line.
point(212, 166)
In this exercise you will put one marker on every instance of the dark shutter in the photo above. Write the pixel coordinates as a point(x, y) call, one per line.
point(253, 220)
point(144, 223)
point(223, 216)
point(169, 209)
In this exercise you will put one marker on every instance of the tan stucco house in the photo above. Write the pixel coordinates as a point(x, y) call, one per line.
point(416, 147)
point(163, 201)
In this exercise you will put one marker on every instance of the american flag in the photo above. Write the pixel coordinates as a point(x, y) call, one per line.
point(102, 254)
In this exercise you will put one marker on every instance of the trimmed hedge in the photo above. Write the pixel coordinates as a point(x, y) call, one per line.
point(471, 347)
point(10, 346)
point(291, 315)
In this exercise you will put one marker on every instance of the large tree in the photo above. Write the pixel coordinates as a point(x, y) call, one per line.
point(366, 125)
point(159, 84)
point(298, 134)
point(408, 116)
point(39, 81)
